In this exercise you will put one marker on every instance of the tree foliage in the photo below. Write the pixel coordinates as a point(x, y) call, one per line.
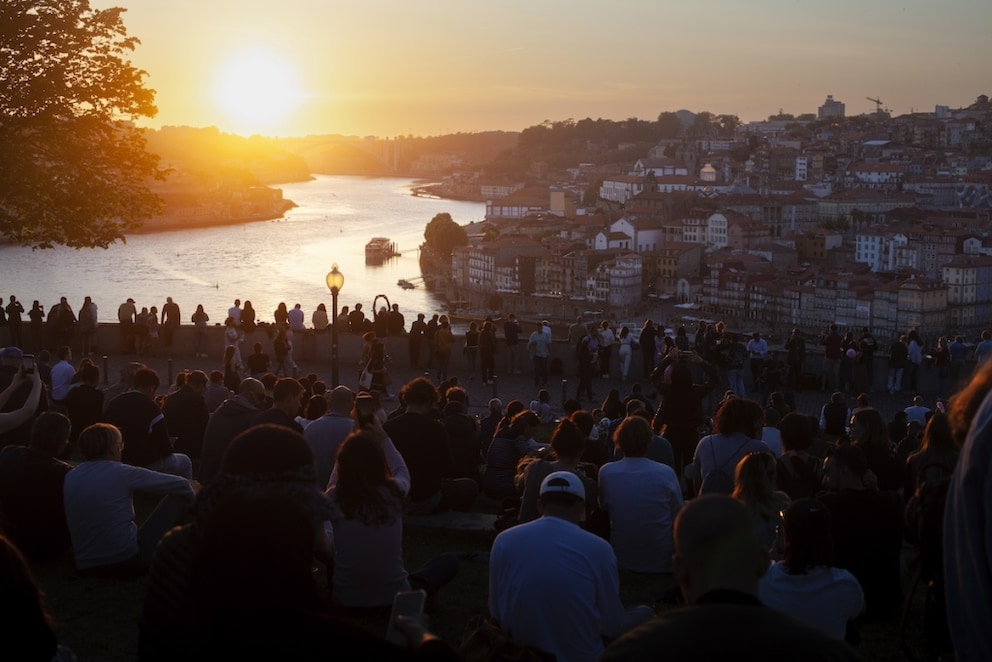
point(75, 169)
point(442, 234)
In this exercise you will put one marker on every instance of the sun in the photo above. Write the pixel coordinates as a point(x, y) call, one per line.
point(257, 90)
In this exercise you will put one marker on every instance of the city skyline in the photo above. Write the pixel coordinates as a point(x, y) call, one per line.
point(391, 68)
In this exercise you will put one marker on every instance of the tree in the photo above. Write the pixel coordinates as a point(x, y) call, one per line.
point(75, 168)
point(442, 234)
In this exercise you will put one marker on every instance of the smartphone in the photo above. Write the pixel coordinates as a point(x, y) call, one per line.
point(27, 364)
point(405, 603)
point(686, 355)
point(364, 409)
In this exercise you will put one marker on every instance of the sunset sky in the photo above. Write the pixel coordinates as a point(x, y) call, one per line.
point(391, 67)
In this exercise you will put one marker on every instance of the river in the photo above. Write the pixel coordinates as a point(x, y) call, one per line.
point(265, 262)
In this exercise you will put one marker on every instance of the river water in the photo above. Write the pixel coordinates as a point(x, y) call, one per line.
point(264, 262)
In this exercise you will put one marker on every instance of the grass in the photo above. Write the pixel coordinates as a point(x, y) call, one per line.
point(97, 618)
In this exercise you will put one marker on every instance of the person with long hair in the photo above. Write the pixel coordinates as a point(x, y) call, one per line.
point(247, 319)
point(798, 472)
point(471, 348)
point(737, 426)
point(870, 432)
point(369, 483)
point(967, 526)
point(567, 446)
point(937, 457)
point(232, 368)
point(612, 405)
point(805, 582)
point(754, 486)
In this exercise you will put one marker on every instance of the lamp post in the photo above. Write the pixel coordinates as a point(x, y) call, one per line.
point(335, 281)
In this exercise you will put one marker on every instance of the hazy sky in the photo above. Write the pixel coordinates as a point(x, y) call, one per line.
point(389, 67)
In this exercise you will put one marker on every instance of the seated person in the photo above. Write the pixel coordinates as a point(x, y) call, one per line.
point(100, 511)
point(506, 450)
point(642, 497)
point(805, 584)
point(31, 502)
point(567, 446)
point(369, 483)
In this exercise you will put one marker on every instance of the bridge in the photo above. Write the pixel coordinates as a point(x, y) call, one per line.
point(348, 152)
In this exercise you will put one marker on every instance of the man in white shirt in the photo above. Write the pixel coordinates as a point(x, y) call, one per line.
point(553, 586)
point(234, 312)
point(62, 374)
point(757, 352)
point(295, 318)
point(917, 412)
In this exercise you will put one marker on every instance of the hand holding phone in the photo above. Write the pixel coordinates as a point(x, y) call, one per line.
point(410, 606)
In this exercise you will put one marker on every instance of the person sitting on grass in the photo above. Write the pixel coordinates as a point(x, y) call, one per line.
point(99, 507)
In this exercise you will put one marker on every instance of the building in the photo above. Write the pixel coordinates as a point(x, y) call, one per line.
point(830, 109)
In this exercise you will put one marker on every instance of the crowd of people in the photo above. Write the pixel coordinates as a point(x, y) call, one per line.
point(790, 529)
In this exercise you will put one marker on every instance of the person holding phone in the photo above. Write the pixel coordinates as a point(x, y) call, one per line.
point(27, 374)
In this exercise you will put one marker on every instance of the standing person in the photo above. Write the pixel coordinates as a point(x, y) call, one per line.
point(14, 310)
point(848, 359)
point(942, 362)
point(444, 341)
point(471, 348)
point(914, 359)
point(416, 339)
point(866, 361)
point(795, 356)
point(959, 361)
point(141, 330)
point(37, 317)
point(153, 330)
point(649, 347)
point(199, 320)
point(555, 587)
point(487, 352)
point(511, 336)
point(282, 349)
point(234, 312)
point(983, 350)
point(539, 348)
point(680, 414)
point(898, 357)
point(606, 341)
point(356, 320)
point(430, 339)
point(247, 322)
point(171, 318)
point(588, 362)
point(736, 356)
point(125, 317)
point(232, 338)
point(625, 351)
point(832, 354)
point(63, 320)
point(397, 323)
point(757, 352)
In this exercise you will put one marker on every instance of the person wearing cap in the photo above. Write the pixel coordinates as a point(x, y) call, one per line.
point(552, 585)
point(326, 433)
point(718, 563)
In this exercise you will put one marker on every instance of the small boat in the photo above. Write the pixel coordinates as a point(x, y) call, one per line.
point(405, 284)
point(379, 249)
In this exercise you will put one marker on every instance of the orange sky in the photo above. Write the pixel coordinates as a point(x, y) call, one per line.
point(390, 67)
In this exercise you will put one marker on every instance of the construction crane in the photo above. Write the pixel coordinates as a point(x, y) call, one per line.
point(878, 104)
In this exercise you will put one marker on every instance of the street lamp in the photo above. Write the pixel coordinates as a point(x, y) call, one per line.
point(335, 281)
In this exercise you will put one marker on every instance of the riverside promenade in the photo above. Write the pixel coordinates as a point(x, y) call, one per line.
point(312, 353)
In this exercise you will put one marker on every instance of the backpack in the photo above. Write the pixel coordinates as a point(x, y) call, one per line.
point(720, 480)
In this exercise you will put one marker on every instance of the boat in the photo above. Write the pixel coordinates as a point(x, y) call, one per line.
point(379, 249)
point(405, 284)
